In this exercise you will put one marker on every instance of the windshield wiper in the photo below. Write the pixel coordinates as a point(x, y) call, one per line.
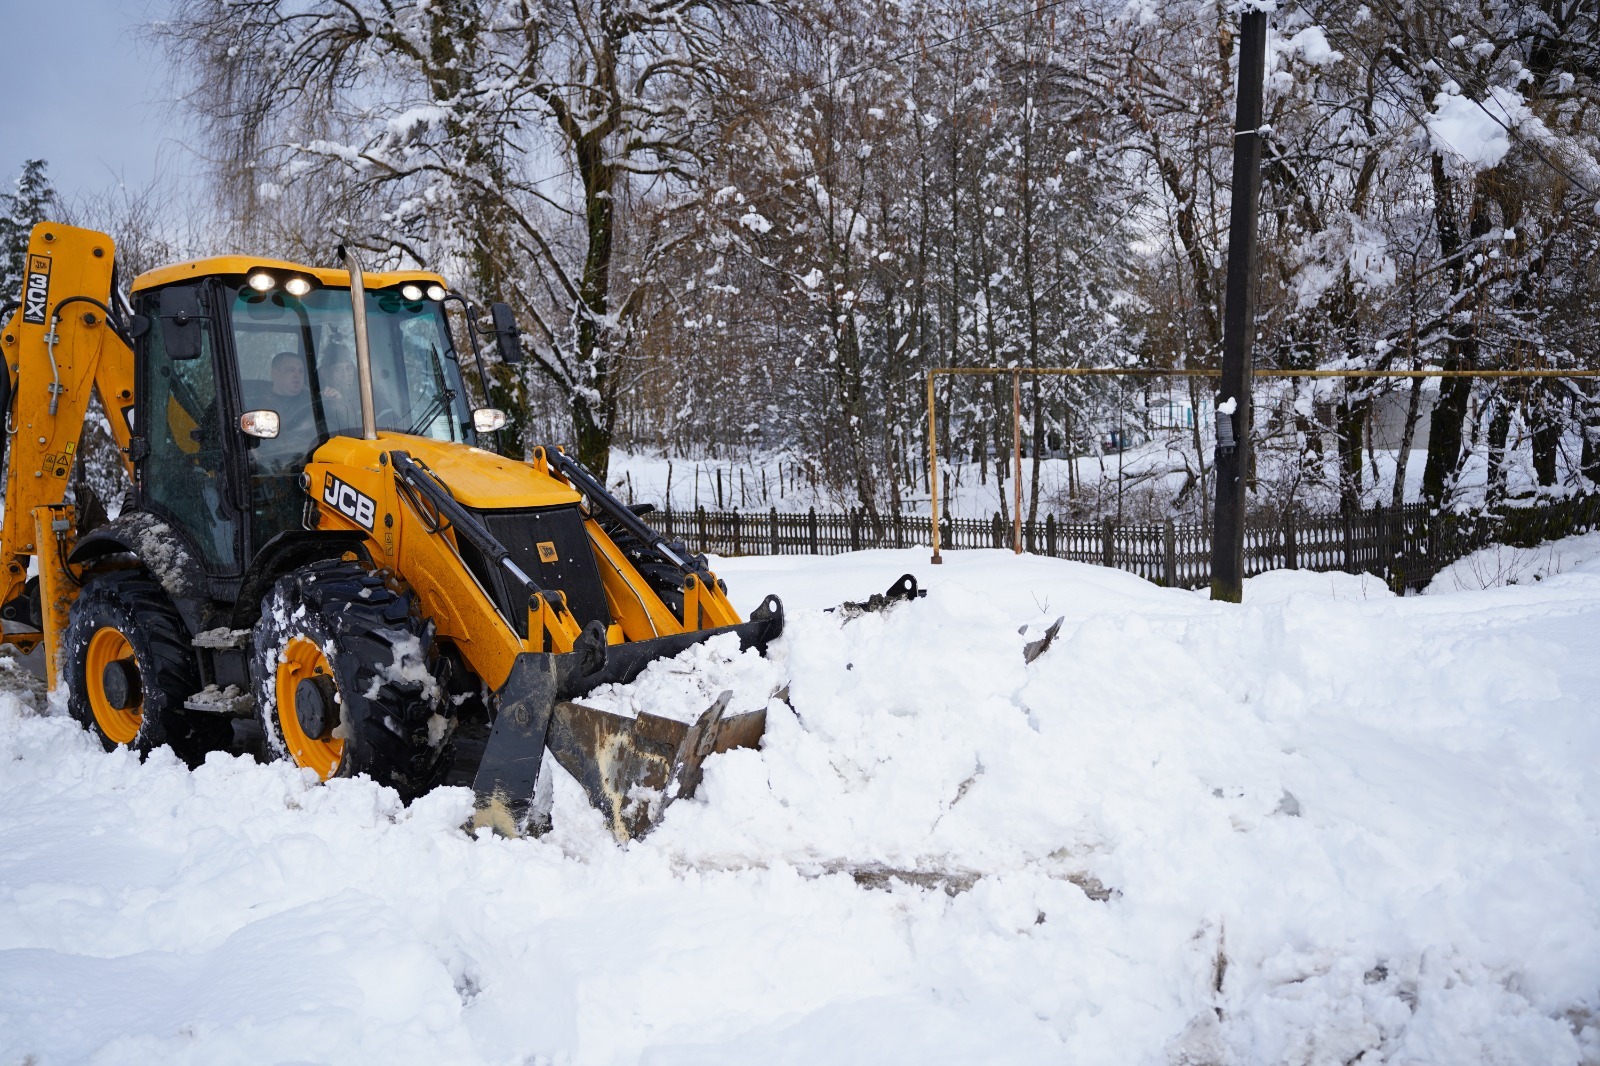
point(435, 407)
point(440, 403)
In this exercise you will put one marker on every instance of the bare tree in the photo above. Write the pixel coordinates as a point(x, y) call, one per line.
point(489, 138)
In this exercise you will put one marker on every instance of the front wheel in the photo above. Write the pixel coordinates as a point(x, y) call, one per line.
point(347, 678)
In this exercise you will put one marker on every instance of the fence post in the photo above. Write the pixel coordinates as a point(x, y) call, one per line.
point(1291, 550)
point(1108, 543)
point(774, 520)
point(1050, 534)
point(1385, 546)
point(855, 529)
point(1349, 542)
point(700, 521)
point(1169, 554)
point(813, 530)
point(899, 533)
point(738, 542)
point(997, 531)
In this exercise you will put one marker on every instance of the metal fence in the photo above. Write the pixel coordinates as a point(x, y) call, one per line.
point(1405, 546)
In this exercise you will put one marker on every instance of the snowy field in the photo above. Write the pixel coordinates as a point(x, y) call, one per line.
point(1331, 826)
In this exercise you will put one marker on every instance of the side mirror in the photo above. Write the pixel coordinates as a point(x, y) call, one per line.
point(262, 425)
point(182, 322)
point(507, 338)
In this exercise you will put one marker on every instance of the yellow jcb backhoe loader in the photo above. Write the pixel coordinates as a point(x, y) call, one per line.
point(321, 537)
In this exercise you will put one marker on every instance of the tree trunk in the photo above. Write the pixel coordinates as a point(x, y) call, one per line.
point(1544, 411)
point(1407, 435)
point(1352, 419)
point(1589, 422)
point(1499, 430)
point(1449, 417)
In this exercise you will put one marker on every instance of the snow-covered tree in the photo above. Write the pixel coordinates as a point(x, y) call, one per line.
point(32, 200)
point(495, 140)
point(732, 226)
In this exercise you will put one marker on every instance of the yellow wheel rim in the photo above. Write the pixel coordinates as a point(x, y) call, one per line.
point(106, 646)
point(302, 659)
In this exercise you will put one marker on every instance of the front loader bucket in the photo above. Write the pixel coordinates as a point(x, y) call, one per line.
point(621, 762)
point(632, 768)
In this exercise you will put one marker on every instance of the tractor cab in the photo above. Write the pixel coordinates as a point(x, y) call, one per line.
point(247, 367)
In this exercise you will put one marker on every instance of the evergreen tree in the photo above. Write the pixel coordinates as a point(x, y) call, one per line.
point(19, 213)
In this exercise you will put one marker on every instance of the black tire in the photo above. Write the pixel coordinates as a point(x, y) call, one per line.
point(126, 615)
point(358, 636)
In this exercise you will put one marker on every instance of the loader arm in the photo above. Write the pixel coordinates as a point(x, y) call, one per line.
point(59, 347)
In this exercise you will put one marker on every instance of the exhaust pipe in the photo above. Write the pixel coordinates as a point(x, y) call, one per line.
point(358, 312)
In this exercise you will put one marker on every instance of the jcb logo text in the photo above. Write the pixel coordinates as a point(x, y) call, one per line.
point(356, 506)
point(36, 289)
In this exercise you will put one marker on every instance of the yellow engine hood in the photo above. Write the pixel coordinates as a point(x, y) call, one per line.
point(477, 478)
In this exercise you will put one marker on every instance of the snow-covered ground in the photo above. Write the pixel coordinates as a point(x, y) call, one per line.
point(1501, 564)
point(1329, 826)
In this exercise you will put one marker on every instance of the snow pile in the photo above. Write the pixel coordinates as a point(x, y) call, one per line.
point(683, 688)
point(1501, 564)
point(1328, 826)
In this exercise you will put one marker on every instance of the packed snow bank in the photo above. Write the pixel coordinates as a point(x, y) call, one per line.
point(1329, 825)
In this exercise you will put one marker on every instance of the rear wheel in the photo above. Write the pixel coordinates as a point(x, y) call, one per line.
point(129, 668)
point(348, 680)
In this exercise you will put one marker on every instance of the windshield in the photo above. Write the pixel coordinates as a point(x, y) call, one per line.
point(297, 357)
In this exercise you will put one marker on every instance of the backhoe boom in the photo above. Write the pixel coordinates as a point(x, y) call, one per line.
point(58, 347)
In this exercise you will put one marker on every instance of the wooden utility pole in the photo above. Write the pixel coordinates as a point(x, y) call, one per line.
point(1238, 323)
point(1016, 455)
point(933, 471)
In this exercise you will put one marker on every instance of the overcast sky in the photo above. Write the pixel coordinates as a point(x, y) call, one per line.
point(87, 93)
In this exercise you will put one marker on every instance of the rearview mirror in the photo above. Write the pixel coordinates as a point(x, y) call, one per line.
point(181, 322)
point(507, 337)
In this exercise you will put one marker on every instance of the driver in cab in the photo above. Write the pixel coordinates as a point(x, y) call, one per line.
point(292, 400)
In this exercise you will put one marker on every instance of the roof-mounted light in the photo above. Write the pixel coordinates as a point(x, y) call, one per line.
point(261, 281)
point(297, 286)
point(411, 292)
point(436, 292)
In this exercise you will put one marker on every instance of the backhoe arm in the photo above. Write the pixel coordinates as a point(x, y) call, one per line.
point(57, 347)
